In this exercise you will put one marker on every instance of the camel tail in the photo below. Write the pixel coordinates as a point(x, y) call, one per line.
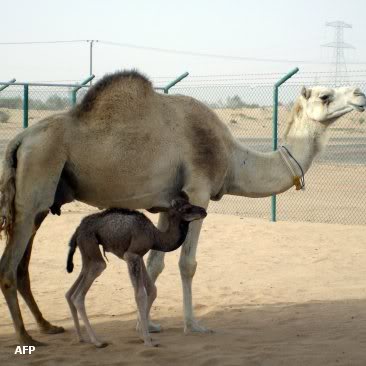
point(8, 189)
point(73, 244)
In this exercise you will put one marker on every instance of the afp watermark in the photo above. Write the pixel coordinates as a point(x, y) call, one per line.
point(24, 350)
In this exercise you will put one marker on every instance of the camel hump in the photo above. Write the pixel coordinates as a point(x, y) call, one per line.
point(127, 89)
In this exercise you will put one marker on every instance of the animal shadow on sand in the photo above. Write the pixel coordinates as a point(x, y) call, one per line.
point(314, 333)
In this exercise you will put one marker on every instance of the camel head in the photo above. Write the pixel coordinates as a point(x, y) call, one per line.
point(322, 106)
point(181, 208)
point(325, 105)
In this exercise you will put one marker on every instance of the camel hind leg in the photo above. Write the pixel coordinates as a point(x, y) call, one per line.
point(12, 256)
point(93, 266)
point(35, 192)
point(73, 309)
point(24, 288)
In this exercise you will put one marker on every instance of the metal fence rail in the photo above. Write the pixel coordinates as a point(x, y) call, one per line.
point(336, 182)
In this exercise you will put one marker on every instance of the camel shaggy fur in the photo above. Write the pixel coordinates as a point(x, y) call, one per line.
point(127, 146)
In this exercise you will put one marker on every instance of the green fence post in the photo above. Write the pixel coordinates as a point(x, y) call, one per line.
point(275, 129)
point(176, 81)
point(73, 97)
point(75, 90)
point(25, 105)
point(10, 82)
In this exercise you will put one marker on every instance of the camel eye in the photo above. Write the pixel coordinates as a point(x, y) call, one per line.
point(324, 97)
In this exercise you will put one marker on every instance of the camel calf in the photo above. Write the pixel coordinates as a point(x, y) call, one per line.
point(129, 235)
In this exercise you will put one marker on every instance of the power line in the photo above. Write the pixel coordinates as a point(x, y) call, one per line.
point(42, 42)
point(209, 55)
point(181, 52)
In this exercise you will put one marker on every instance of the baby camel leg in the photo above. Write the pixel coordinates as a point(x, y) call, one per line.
point(73, 309)
point(135, 269)
point(151, 296)
point(150, 289)
point(89, 274)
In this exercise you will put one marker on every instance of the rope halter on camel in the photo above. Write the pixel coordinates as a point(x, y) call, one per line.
point(288, 158)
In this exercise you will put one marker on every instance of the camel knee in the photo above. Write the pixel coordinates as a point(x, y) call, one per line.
point(155, 265)
point(8, 281)
point(68, 296)
point(77, 302)
point(187, 267)
point(96, 268)
point(156, 269)
point(99, 267)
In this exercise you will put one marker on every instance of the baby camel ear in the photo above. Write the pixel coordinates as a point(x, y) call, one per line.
point(174, 204)
point(306, 93)
point(184, 195)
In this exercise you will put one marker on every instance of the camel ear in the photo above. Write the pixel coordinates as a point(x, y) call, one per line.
point(305, 92)
point(184, 195)
point(174, 204)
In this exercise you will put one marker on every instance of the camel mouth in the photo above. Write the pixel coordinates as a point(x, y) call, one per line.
point(359, 108)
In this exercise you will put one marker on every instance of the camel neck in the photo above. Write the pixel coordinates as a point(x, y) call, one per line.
point(173, 237)
point(257, 174)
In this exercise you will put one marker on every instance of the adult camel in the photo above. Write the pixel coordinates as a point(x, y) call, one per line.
point(127, 146)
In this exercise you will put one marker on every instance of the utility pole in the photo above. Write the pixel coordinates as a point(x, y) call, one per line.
point(339, 46)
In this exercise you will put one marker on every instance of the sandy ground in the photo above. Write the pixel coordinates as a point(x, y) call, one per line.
point(275, 294)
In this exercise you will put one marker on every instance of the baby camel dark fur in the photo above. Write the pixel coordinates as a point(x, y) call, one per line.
point(129, 235)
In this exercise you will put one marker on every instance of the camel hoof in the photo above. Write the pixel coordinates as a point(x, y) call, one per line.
point(153, 327)
point(83, 340)
point(51, 329)
point(29, 341)
point(101, 344)
point(151, 343)
point(194, 327)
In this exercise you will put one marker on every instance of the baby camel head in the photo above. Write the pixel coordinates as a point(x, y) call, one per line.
point(181, 208)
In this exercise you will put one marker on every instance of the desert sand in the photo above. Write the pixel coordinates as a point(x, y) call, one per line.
point(275, 293)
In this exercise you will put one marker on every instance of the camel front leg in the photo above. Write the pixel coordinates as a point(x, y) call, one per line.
point(155, 261)
point(187, 260)
point(155, 265)
point(187, 266)
point(24, 288)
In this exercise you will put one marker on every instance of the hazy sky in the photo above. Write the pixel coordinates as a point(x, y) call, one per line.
point(281, 29)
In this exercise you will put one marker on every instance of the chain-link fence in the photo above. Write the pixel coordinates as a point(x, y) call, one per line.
point(42, 102)
point(336, 182)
